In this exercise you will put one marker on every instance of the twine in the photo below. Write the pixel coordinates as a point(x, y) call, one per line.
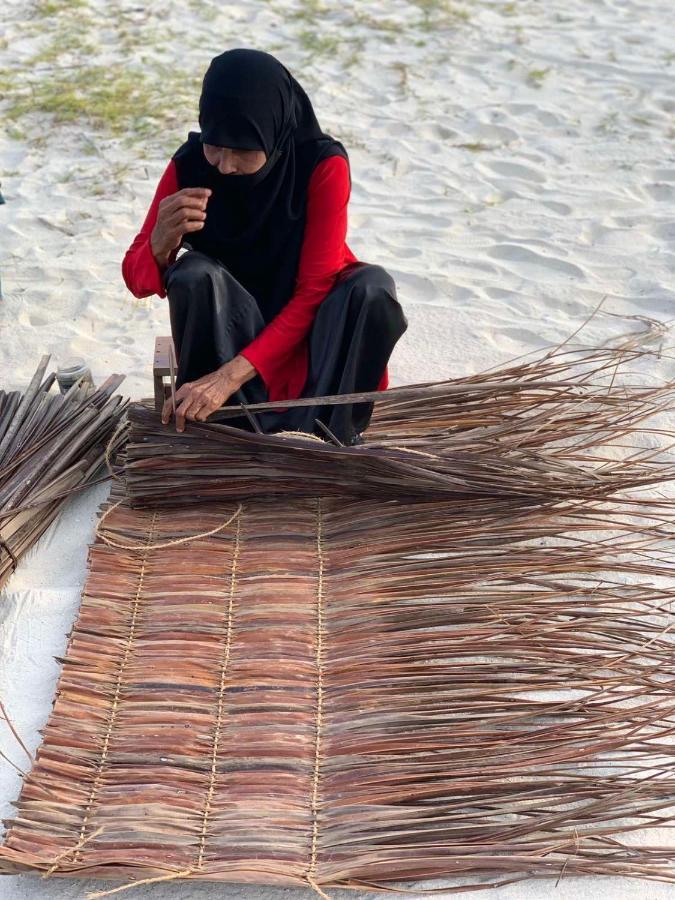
point(319, 706)
point(160, 544)
point(135, 884)
point(301, 434)
point(113, 709)
point(185, 873)
point(221, 700)
point(410, 450)
point(74, 849)
point(314, 437)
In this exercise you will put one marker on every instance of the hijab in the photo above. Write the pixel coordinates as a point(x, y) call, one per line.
point(255, 223)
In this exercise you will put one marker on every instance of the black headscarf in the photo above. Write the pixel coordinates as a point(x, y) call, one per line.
point(255, 223)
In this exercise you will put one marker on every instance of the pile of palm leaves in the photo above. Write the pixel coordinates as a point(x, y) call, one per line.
point(51, 444)
point(563, 426)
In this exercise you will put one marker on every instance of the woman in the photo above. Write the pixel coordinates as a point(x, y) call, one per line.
point(269, 302)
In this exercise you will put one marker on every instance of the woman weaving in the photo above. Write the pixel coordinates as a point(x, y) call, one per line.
point(268, 302)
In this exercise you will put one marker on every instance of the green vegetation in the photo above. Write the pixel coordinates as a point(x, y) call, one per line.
point(140, 95)
point(535, 77)
point(115, 100)
point(474, 147)
point(63, 80)
point(45, 8)
point(438, 14)
point(317, 43)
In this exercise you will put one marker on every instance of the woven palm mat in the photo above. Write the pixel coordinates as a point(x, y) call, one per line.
point(331, 692)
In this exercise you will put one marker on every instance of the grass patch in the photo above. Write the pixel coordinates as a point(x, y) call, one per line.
point(474, 147)
point(130, 97)
point(45, 8)
point(440, 14)
point(535, 77)
point(316, 43)
point(110, 100)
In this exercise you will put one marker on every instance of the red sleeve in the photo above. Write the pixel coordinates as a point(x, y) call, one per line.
point(321, 258)
point(139, 268)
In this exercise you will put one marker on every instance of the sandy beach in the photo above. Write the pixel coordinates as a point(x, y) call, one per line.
point(513, 167)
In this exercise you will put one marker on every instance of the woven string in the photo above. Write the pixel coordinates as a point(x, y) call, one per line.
point(199, 863)
point(161, 544)
point(74, 849)
point(315, 799)
point(221, 699)
point(116, 700)
point(300, 434)
point(135, 884)
point(410, 450)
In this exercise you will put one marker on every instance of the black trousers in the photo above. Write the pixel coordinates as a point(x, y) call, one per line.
point(353, 334)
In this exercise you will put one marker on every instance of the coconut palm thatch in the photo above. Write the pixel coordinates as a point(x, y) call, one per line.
point(560, 427)
point(362, 691)
point(50, 445)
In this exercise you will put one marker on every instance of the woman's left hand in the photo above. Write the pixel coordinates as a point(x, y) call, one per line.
point(196, 400)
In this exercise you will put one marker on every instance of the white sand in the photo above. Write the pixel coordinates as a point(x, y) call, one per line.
point(510, 169)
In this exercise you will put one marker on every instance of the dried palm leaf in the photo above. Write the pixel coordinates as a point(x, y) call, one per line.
point(50, 446)
point(538, 431)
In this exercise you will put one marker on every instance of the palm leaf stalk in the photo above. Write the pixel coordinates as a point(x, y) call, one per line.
point(50, 446)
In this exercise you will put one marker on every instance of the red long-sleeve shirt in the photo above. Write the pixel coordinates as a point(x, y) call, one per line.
point(280, 351)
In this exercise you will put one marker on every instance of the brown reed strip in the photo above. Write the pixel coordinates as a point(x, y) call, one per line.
point(50, 446)
point(560, 427)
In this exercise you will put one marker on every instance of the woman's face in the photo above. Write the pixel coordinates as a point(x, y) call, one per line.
point(234, 162)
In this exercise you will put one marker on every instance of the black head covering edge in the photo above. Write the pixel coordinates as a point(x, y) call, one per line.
point(255, 223)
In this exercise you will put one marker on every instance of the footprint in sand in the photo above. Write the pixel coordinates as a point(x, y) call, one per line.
point(562, 209)
point(535, 265)
point(516, 170)
point(485, 133)
point(37, 321)
point(662, 193)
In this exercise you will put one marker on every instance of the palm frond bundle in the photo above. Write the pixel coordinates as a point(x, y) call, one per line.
point(50, 445)
point(358, 691)
point(538, 431)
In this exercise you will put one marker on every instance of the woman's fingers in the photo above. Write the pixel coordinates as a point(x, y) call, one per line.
point(177, 202)
point(201, 193)
point(182, 393)
point(174, 201)
point(190, 407)
point(211, 405)
point(182, 216)
point(195, 401)
point(182, 412)
point(166, 411)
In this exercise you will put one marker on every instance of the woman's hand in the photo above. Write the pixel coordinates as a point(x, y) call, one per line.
point(178, 214)
point(195, 400)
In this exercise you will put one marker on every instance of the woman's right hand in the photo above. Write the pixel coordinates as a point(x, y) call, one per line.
point(178, 214)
